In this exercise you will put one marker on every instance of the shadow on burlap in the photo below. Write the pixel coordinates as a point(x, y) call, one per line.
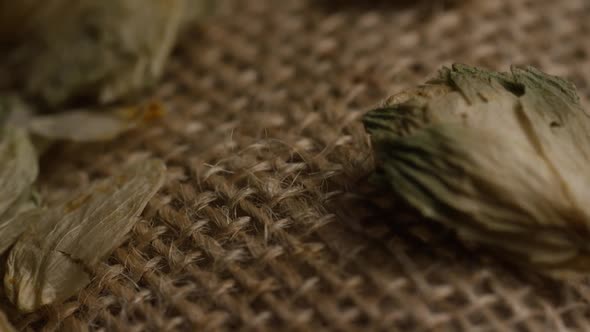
point(266, 221)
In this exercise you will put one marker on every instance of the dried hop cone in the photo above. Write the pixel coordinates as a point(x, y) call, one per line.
point(103, 51)
point(502, 158)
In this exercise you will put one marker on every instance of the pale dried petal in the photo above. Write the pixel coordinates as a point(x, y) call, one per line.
point(49, 262)
point(92, 125)
point(12, 223)
point(18, 171)
point(501, 158)
point(18, 166)
point(79, 126)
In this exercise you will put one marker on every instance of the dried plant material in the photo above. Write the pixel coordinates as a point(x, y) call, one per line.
point(91, 125)
point(12, 222)
point(14, 111)
point(18, 166)
point(111, 49)
point(49, 263)
point(5, 325)
point(499, 157)
point(18, 171)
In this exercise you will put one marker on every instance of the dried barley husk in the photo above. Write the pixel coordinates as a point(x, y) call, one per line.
point(18, 166)
point(499, 157)
point(50, 262)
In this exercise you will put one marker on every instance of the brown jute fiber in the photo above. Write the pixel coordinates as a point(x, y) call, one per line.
point(267, 222)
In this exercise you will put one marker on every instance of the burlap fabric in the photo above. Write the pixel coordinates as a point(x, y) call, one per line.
point(267, 221)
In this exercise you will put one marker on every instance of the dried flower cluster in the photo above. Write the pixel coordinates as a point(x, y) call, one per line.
point(101, 53)
point(500, 158)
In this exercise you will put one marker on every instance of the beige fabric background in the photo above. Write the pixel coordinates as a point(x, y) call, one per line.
point(266, 221)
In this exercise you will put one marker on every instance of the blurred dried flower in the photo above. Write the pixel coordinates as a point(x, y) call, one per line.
point(499, 157)
point(102, 50)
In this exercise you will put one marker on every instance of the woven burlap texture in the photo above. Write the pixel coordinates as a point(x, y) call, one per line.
point(267, 222)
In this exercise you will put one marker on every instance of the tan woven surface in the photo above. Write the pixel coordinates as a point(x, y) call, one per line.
point(266, 222)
